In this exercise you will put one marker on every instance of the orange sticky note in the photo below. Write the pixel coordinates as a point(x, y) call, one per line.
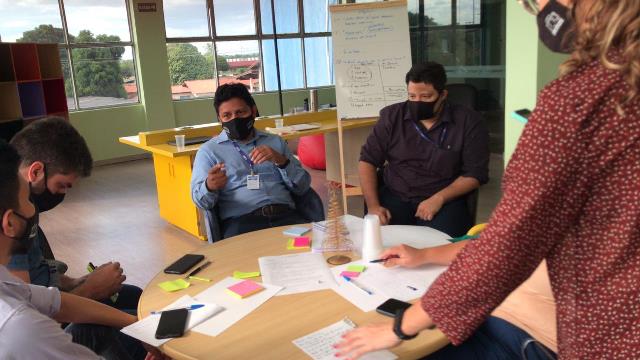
point(302, 242)
point(244, 289)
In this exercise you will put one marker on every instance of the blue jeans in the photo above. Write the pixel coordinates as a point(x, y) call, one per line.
point(453, 218)
point(496, 339)
point(107, 342)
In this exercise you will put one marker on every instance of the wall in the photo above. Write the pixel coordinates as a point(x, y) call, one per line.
point(529, 66)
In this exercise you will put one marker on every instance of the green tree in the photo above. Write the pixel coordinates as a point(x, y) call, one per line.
point(98, 70)
point(221, 61)
point(45, 34)
point(126, 66)
point(186, 63)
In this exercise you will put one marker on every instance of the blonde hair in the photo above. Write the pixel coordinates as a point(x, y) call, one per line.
point(609, 25)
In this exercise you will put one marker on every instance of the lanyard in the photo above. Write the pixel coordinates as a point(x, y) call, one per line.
point(245, 157)
point(443, 135)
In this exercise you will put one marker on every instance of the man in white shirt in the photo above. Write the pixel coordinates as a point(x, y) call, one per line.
point(27, 330)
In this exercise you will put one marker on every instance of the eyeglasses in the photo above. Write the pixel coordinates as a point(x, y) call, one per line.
point(532, 6)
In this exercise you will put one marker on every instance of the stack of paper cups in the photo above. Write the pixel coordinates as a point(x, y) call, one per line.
point(371, 239)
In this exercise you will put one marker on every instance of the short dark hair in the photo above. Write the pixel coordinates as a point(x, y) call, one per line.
point(428, 73)
point(227, 92)
point(9, 181)
point(56, 143)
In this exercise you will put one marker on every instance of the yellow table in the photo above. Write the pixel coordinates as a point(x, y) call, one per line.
point(173, 166)
point(267, 332)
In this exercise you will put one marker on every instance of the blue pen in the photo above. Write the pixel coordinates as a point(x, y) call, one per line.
point(351, 281)
point(191, 307)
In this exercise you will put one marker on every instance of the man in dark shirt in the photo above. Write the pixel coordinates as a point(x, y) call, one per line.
point(432, 152)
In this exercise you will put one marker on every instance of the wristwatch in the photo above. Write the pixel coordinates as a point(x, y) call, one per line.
point(397, 326)
point(283, 165)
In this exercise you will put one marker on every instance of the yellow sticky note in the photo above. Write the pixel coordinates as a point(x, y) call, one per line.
point(356, 268)
point(174, 285)
point(245, 275)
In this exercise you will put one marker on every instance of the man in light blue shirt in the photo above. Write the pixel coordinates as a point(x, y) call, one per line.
point(245, 174)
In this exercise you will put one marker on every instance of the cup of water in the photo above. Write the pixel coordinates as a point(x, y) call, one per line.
point(180, 142)
point(279, 123)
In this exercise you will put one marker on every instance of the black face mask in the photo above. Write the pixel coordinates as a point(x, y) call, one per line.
point(422, 110)
point(239, 128)
point(555, 27)
point(23, 243)
point(47, 200)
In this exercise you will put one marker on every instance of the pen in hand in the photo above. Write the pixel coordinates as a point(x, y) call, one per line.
point(384, 259)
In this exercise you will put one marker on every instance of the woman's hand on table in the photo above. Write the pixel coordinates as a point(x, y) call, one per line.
point(365, 339)
point(403, 255)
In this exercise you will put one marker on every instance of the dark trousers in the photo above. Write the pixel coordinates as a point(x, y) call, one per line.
point(107, 342)
point(250, 222)
point(453, 218)
point(127, 300)
point(495, 339)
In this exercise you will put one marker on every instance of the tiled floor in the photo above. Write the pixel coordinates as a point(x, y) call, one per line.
point(113, 215)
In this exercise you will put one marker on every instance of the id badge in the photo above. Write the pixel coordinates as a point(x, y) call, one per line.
point(253, 182)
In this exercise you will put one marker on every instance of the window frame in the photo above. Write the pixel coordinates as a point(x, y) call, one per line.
point(68, 47)
point(259, 36)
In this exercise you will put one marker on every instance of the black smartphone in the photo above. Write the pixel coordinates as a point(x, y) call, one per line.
point(172, 323)
point(390, 307)
point(522, 115)
point(183, 264)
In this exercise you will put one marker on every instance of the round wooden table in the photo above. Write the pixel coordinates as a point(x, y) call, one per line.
point(267, 332)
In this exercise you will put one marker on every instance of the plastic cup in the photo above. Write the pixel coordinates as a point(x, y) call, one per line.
point(279, 123)
point(180, 142)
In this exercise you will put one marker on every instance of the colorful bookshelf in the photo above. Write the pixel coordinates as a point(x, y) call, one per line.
point(31, 85)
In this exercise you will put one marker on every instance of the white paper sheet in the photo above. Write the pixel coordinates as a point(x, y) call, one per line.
point(145, 329)
point(234, 309)
point(386, 283)
point(301, 272)
point(319, 345)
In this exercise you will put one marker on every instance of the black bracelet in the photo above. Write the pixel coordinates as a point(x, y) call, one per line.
point(284, 165)
point(397, 326)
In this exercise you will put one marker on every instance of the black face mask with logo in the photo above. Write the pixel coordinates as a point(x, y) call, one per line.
point(23, 243)
point(555, 27)
point(239, 128)
point(46, 200)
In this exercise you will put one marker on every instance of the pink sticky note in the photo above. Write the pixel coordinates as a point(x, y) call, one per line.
point(244, 289)
point(350, 274)
point(302, 241)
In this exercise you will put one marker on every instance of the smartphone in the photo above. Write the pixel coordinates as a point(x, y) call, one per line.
point(522, 115)
point(172, 323)
point(390, 307)
point(183, 264)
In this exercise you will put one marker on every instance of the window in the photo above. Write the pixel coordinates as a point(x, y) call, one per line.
point(239, 35)
point(96, 50)
point(447, 31)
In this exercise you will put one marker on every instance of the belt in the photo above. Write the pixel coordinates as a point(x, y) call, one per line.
point(271, 210)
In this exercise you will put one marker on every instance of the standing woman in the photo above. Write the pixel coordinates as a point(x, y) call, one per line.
point(571, 196)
